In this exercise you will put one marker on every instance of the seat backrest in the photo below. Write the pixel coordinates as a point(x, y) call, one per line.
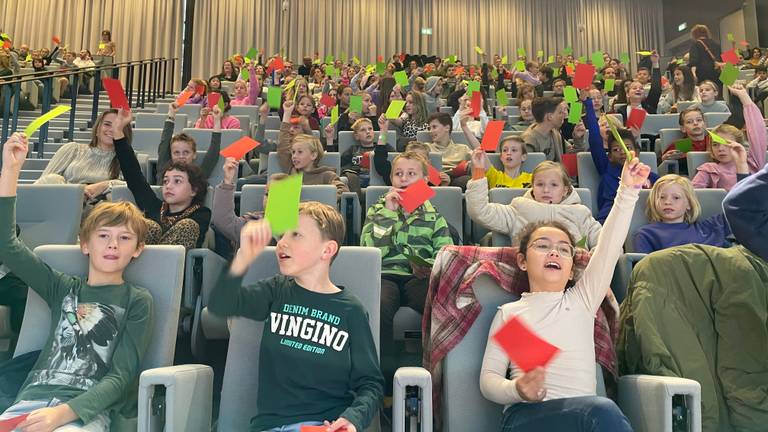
point(357, 269)
point(528, 165)
point(217, 175)
point(192, 111)
point(331, 159)
point(684, 105)
point(122, 193)
point(457, 137)
point(590, 179)
point(694, 159)
point(273, 122)
point(252, 196)
point(203, 137)
point(157, 121)
point(347, 140)
point(448, 201)
point(711, 201)
point(656, 122)
point(622, 274)
point(435, 158)
point(446, 109)
point(252, 111)
point(146, 140)
point(666, 137)
point(159, 269)
point(49, 214)
point(245, 122)
point(715, 119)
point(273, 134)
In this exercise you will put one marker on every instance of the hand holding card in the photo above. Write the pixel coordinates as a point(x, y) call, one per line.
point(524, 347)
point(415, 195)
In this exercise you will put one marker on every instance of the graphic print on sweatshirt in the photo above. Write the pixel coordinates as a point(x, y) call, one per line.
point(83, 343)
point(308, 329)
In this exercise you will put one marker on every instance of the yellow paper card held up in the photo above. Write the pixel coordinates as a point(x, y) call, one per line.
point(45, 118)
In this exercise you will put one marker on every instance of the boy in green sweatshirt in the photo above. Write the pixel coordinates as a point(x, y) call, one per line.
point(87, 371)
point(318, 363)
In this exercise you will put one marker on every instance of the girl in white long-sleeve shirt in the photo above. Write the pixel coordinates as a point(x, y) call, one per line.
point(562, 396)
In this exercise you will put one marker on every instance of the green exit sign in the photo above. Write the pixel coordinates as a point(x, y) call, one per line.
point(426, 30)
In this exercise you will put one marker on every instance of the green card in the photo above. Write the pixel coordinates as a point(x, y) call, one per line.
point(221, 104)
point(504, 60)
point(501, 98)
point(521, 52)
point(624, 58)
point(597, 60)
point(329, 58)
point(473, 86)
point(730, 37)
point(494, 74)
point(356, 104)
point(316, 61)
point(684, 145)
point(729, 75)
point(609, 85)
point(395, 107)
point(582, 243)
point(274, 95)
point(540, 54)
point(570, 94)
point(282, 210)
point(574, 113)
point(381, 67)
point(331, 71)
point(450, 59)
point(252, 53)
point(355, 60)
point(244, 74)
point(618, 138)
point(568, 50)
point(520, 66)
point(717, 138)
point(583, 59)
point(334, 114)
point(401, 78)
point(551, 59)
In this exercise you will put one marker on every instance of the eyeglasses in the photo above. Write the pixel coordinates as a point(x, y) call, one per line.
point(546, 246)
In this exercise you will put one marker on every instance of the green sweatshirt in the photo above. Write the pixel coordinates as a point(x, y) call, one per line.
point(98, 335)
point(423, 233)
point(318, 360)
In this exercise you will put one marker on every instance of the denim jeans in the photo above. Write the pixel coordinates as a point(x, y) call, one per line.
point(576, 414)
point(296, 427)
point(99, 424)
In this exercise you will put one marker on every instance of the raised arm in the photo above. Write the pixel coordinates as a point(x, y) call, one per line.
point(493, 216)
point(599, 157)
point(755, 125)
point(212, 155)
point(255, 88)
point(465, 114)
point(285, 140)
point(224, 219)
point(145, 197)
point(652, 101)
point(164, 149)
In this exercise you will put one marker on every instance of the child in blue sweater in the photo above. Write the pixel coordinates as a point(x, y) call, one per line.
point(674, 214)
point(608, 165)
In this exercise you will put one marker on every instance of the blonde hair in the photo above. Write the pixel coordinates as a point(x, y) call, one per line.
point(417, 146)
point(360, 122)
point(553, 166)
point(413, 156)
point(112, 214)
point(328, 219)
point(727, 129)
point(514, 139)
point(315, 147)
point(691, 215)
point(711, 84)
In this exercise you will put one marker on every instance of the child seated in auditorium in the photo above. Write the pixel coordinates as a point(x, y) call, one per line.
point(247, 93)
point(673, 211)
point(381, 154)
point(562, 395)
point(708, 92)
point(455, 157)
point(340, 381)
point(760, 83)
point(183, 148)
point(551, 198)
point(526, 116)
point(180, 217)
point(727, 165)
point(305, 107)
point(464, 117)
point(298, 152)
point(512, 153)
point(544, 136)
point(608, 166)
point(87, 371)
point(227, 121)
point(694, 127)
point(638, 98)
point(401, 235)
point(348, 119)
point(355, 162)
point(198, 88)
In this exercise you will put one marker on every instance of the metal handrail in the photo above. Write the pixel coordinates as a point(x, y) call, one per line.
point(147, 90)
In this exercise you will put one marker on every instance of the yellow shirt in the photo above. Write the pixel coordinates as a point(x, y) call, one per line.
point(497, 178)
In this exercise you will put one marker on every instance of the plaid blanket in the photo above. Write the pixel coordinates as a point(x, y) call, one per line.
point(451, 307)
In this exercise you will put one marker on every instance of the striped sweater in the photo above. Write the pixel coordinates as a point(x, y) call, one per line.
point(397, 234)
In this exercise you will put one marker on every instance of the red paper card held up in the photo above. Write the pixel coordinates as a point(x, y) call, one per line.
point(524, 347)
point(365, 160)
point(11, 423)
point(183, 98)
point(213, 99)
point(492, 135)
point(730, 57)
point(415, 195)
point(116, 93)
point(585, 73)
point(327, 100)
point(476, 103)
point(56, 39)
point(200, 89)
point(239, 148)
point(637, 118)
point(569, 162)
point(434, 176)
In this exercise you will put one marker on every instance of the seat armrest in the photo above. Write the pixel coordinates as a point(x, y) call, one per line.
point(646, 400)
point(412, 377)
point(188, 399)
point(211, 265)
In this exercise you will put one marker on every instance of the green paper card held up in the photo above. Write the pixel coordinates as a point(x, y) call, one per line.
point(401, 78)
point(624, 58)
point(479, 50)
point(717, 138)
point(730, 37)
point(583, 59)
point(597, 59)
point(494, 74)
point(551, 59)
point(570, 94)
point(501, 98)
point(568, 50)
point(540, 54)
point(473, 86)
point(334, 114)
point(609, 85)
point(521, 52)
point(684, 145)
point(245, 74)
point(329, 58)
point(381, 67)
point(355, 60)
point(356, 104)
point(504, 60)
point(282, 210)
point(729, 74)
point(520, 66)
point(395, 108)
point(252, 53)
point(330, 71)
point(574, 113)
point(274, 95)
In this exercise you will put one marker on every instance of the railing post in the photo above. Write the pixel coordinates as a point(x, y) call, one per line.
point(6, 91)
point(140, 90)
point(95, 107)
point(74, 89)
point(173, 76)
point(165, 77)
point(43, 132)
point(129, 84)
point(15, 116)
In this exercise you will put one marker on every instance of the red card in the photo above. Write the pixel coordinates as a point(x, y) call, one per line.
point(56, 40)
point(524, 347)
point(7, 44)
point(415, 195)
point(380, 59)
point(200, 89)
point(570, 164)
point(434, 176)
point(10, 424)
point(365, 161)
point(327, 100)
point(636, 118)
point(458, 71)
point(568, 70)
point(402, 57)
point(116, 93)
point(239, 148)
point(213, 99)
point(472, 71)
point(744, 43)
point(730, 57)
point(277, 63)
point(664, 81)
point(318, 429)
point(476, 102)
point(183, 98)
point(492, 135)
point(585, 73)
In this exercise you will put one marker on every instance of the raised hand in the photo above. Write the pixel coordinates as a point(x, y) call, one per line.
point(123, 119)
point(530, 385)
point(392, 199)
point(254, 237)
point(480, 159)
point(230, 170)
point(15, 151)
point(635, 173)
